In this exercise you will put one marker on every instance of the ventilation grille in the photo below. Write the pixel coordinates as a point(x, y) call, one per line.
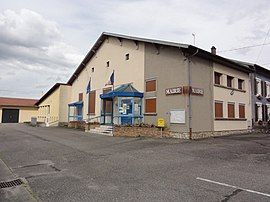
point(12, 183)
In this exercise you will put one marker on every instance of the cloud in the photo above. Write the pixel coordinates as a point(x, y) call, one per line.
point(30, 43)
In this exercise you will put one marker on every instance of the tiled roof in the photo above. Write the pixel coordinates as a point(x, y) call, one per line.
point(18, 102)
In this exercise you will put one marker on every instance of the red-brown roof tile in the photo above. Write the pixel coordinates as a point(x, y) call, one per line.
point(18, 102)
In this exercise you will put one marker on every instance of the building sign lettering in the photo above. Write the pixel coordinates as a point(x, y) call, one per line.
point(173, 91)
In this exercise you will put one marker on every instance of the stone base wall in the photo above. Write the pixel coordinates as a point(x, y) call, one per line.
point(136, 131)
point(76, 124)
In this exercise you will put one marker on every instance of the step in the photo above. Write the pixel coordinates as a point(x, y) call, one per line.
point(106, 127)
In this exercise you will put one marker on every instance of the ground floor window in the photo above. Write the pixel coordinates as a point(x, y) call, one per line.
point(231, 110)
point(258, 112)
point(242, 113)
point(218, 109)
point(150, 105)
point(92, 102)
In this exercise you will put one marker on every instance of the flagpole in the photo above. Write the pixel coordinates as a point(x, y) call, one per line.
point(113, 79)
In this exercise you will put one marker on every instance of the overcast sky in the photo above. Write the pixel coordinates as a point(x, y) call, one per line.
point(43, 42)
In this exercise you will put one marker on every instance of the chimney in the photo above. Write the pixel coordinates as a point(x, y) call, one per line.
point(213, 50)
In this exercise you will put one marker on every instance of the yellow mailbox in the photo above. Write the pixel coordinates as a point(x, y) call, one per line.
point(161, 123)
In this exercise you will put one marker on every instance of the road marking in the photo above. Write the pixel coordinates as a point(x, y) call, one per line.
point(232, 186)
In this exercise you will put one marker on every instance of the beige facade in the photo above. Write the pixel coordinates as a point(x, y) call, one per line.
point(170, 69)
point(126, 71)
point(25, 113)
point(232, 95)
point(54, 108)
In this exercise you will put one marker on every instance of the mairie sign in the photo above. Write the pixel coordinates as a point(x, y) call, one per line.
point(175, 90)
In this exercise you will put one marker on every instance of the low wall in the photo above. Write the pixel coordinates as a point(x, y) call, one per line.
point(137, 131)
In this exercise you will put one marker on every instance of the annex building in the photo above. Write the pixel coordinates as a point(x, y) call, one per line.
point(17, 110)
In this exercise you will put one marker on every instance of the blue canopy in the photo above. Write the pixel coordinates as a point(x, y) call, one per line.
point(125, 90)
point(75, 104)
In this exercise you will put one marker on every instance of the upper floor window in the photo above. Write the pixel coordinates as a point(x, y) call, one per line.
point(93, 69)
point(150, 86)
point(127, 56)
point(80, 96)
point(258, 86)
point(267, 89)
point(218, 78)
point(240, 84)
point(230, 81)
point(108, 63)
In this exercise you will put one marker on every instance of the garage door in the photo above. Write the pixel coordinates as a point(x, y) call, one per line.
point(10, 115)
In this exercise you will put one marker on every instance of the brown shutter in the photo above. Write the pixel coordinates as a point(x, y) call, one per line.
point(92, 102)
point(231, 110)
point(80, 96)
point(242, 114)
point(218, 110)
point(150, 105)
point(150, 86)
point(108, 103)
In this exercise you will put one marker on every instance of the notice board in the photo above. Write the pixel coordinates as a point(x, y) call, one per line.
point(178, 116)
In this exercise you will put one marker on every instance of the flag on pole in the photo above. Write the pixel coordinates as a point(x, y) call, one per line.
point(88, 88)
point(111, 80)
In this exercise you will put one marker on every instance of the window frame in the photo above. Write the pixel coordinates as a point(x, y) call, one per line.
point(151, 90)
point(230, 81)
point(240, 115)
point(219, 75)
point(228, 110)
point(145, 106)
point(222, 107)
point(240, 81)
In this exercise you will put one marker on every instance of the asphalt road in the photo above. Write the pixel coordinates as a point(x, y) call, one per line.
point(68, 165)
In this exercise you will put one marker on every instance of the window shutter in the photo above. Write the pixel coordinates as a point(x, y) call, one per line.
point(262, 87)
point(263, 112)
point(218, 110)
point(150, 105)
point(255, 86)
point(231, 111)
point(92, 102)
point(150, 86)
point(256, 113)
point(108, 103)
point(242, 111)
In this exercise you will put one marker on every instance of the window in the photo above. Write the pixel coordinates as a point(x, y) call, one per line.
point(267, 112)
point(80, 96)
point(231, 110)
point(240, 84)
point(218, 109)
point(150, 85)
point(229, 81)
point(108, 103)
point(93, 69)
point(92, 102)
point(127, 56)
point(150, 105)
point(268, 89)
point(242, 113)
point(218, 78)
point(108, 63)
point(258, 86)
point(258, 112)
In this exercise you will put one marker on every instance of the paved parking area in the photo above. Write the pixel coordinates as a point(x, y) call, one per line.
point(68, 165)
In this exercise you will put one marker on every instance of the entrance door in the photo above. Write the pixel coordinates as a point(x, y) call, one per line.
point(126, 111)
point(10, 116)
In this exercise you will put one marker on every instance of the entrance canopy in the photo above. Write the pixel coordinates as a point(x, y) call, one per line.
point(125, 90)
point(75, 104)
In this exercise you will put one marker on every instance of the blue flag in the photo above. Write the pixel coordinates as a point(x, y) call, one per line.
point(88, 88)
